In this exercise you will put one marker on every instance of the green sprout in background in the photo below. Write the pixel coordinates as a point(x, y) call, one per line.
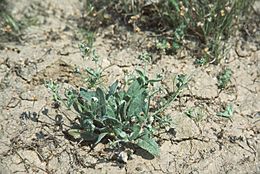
point(224, 78)
point(227, 113)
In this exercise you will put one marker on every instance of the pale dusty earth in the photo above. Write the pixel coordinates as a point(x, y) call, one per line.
point(31, 130)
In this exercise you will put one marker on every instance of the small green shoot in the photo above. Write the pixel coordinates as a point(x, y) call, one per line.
point(163, 45)
point(54, 88)
point(195, 113)
point(224, 78)
point(227, 113)
point(145, 57)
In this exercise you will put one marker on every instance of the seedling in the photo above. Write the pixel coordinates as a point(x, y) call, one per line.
point(145, 57)
point(227, 113)
point(195, 113)
point(224, 78)
point(163, 45)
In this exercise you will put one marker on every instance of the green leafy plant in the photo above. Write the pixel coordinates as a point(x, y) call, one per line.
point(227, 113)
point(195, 113)
point(145, 57)
point(224, 78)
point(121, 114)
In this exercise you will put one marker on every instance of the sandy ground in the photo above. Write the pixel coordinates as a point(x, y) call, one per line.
point(31, 139)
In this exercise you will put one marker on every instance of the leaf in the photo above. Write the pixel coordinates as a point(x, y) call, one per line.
point(113, 88)
point(100, 137)
point(89, 136)
point(136, 132)
point(111, 112)
point(134, 87)
point(101, 100)
point(175, 4)
point(137, 104)
point(224, 78)
point(227, 113)
point(110, 121)
point(122, 109)
point(149, 145)
point(91, 71)
point(86, 95)
point(111, 107)
point(121, 134)
point(86, 122)
point(142, 77)
point(75, 133)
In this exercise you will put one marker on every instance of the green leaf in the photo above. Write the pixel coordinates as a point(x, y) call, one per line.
point(136, 132)
point(122, 109)
point(112, 108)
point(227, 113)
point(134, 88)
point(88, 136)
point(121, 134)
point(88, 125)
point(175, 4)
point(143, 79)
point(110, 121)
point(75, 133)
point(91, 71)
point(224, 78)
point(86, 95)
point(111, 111)
point(113, 88)
point(149, 145)
point(137, 104)
point(101, 100)
point(100, 137)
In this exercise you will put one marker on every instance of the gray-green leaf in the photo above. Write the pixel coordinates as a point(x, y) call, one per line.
point(101, 100)
point(149, 145)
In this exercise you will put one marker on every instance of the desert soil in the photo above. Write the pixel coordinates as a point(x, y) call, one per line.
point(31, 130)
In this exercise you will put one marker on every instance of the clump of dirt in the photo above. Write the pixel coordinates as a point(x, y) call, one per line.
point(60, 72)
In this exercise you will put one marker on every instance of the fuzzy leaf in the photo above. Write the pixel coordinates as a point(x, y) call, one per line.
point(137, 104)
point(101, 100)
point(86, 95)
point(149, 145)
point(111, 107)
point(111, 121)
point(122, 109)
point(75, 133)
point(120, 133)
point(136, 132)
point(100, 137)
point(113, 88)
point(134, 88)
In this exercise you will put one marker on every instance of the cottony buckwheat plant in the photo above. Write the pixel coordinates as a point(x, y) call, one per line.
point(121, 113)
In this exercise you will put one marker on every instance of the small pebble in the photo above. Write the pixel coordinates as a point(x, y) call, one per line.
point(123, 157)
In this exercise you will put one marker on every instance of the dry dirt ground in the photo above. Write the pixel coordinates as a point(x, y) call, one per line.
point(31, 137)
